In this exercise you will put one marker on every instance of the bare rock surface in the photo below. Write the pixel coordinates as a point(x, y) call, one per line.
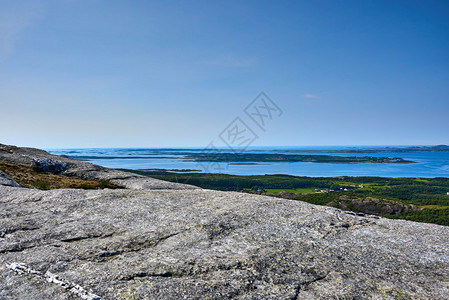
point(180, 242)
point(6, 180)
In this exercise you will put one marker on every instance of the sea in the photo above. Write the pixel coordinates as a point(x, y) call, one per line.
point(427, 164)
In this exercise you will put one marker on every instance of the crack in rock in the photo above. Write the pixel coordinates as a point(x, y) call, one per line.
point(148, 274)
point(16, 248)
point(302, 285)
point(86, 237)
point(135, 246)
point(7, 231)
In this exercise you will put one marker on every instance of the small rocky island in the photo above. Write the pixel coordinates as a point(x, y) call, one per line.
point(108, 234)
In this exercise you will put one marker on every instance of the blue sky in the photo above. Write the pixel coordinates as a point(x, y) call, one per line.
point(104, 73)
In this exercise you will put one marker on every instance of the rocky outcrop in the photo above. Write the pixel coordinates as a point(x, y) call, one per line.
point(43, 161)
point(371, 205)
point(49, 166)
point(180, 242)
point(7, 181)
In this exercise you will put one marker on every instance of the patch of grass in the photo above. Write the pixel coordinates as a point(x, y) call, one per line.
point(433, 206)
point(422, 180)
point(29, 178)
point(299, 190)
point(41, 184)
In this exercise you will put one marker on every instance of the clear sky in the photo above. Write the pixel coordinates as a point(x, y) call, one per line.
point(105, 73)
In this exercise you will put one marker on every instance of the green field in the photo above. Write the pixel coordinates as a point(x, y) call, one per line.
point(299, 190)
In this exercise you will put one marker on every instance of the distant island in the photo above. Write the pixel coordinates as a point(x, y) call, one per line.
point(275, 155)
point(438, 148)
point(255, 158)
point(262, 157)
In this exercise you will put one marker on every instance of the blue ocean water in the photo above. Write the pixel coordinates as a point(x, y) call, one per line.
point(428, 164)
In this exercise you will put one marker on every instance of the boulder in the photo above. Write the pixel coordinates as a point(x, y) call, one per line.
point(49, 166)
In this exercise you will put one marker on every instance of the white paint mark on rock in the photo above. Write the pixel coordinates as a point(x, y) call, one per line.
point(53, 278)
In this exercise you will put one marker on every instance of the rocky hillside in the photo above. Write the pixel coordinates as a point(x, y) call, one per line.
point(158, 240)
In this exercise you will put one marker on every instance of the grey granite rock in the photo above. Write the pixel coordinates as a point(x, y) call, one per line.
point(200, 244)
point(8, 181)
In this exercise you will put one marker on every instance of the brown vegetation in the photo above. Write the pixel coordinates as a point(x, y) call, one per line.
point(27, 177)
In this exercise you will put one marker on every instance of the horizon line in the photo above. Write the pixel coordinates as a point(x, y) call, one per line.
point(250, 147)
